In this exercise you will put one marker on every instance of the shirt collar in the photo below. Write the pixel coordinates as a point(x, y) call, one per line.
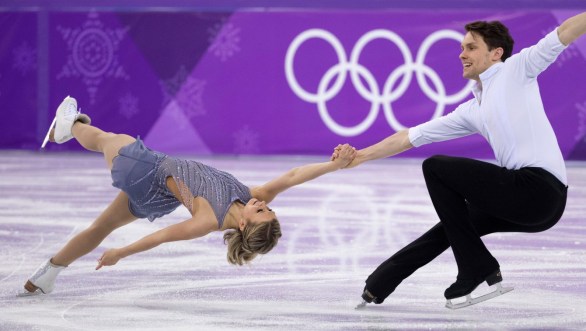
point(491, 71)
point(486, 75)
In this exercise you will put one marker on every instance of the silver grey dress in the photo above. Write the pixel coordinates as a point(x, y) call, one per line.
point(142, 173)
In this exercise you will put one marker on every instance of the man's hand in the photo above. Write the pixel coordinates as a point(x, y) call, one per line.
point(343, 155)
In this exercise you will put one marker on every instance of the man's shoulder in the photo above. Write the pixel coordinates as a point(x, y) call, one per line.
point(465, 108)
point(467, 105)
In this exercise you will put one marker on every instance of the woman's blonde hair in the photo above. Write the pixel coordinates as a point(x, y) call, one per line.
point(245, 245)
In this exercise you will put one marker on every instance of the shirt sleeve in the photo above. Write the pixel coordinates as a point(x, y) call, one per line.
point(450, 126)
point(535, 59)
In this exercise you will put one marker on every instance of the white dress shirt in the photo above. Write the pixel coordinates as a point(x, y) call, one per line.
point(507, 112)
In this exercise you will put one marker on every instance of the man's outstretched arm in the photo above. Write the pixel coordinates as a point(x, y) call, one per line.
point(392, 145)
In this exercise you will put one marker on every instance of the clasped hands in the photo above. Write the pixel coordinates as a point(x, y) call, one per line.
point(344, 155)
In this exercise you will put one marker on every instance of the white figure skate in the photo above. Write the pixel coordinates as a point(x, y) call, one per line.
point(67, 114)
point(43, 278)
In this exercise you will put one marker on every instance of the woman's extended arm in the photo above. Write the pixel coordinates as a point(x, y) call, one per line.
point(189, 229)
point(302, 174)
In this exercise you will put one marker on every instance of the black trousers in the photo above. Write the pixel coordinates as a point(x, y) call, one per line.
point(473, 198)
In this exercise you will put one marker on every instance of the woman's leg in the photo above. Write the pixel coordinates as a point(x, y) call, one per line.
point(116, 215)
point(94, 139)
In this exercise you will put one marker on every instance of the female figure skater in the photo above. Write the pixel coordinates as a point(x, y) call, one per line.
point(153, 184)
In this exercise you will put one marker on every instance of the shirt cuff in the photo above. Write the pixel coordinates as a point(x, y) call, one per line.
point(553, 39)
point(415, 136)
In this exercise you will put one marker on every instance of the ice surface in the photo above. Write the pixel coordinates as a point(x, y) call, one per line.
point(336, 229)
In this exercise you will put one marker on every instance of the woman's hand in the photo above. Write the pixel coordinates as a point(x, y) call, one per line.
point(343, 155)
point(110, 257)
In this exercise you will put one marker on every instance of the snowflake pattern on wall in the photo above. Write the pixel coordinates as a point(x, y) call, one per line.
point(568, 54)
point(128, 106)
point(246, 141)
point(24, 58)
point(186, 91)
point(93, 53)
point(581, 135)
point(224, 39)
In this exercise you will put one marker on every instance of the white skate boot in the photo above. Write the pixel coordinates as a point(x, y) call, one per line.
point(43, 278)
point(66, 115)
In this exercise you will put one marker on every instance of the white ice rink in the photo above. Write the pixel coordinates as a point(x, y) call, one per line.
point(336, 231)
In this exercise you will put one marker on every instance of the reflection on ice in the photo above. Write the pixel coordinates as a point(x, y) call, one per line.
point(336, 230)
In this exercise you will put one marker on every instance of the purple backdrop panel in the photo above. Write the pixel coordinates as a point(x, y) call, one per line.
point(276, 82)
point(94, 60)
point(282, 83)
point(18, 80)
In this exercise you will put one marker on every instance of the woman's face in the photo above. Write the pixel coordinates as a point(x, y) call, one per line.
point(256, 211)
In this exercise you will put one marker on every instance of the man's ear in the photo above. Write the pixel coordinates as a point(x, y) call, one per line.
point(498, 54)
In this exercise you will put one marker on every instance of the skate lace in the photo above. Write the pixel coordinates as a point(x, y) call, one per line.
point(70, 109)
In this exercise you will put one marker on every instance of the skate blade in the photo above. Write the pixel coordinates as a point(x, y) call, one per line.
point(500, 290)
point(24, 293)
point(48, 133)
point(361, 305)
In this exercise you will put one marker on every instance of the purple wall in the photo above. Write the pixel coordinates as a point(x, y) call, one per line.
point(248, 81)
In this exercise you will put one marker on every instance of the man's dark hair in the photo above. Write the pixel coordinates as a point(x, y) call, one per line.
point(495, 35)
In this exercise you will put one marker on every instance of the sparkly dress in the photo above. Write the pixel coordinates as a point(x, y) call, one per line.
point(142, 173)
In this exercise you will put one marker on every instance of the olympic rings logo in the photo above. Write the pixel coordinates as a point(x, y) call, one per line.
point(372, 92)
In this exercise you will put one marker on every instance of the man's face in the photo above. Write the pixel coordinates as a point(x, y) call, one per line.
point(476, 57)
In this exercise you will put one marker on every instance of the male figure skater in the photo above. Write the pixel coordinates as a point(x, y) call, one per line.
point(525, 192)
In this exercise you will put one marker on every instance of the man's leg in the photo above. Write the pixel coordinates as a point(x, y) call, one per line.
point(451, 183)
point(520, 197)
point(383, 281)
